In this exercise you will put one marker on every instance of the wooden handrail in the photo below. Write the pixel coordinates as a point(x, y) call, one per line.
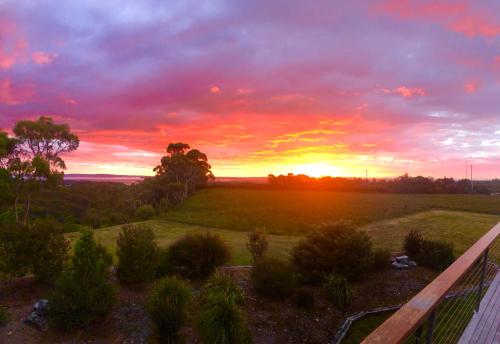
point(411, 316)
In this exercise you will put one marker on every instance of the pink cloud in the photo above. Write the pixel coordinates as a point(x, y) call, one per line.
point(467, 18)
point(41, 58)
point(11, 95)
point(470, 87)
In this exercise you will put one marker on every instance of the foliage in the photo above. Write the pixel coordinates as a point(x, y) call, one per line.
point(381, 258)
point(413, 243)
point(32, 159)
point(145, 212)
point(168, 307)
point(39, 248)
point(436, 254)
point(137, 253)
point(273, 278)
point(337, 248)
point(4, 315)
point(338, 290)
point(303, 298)
point(183, 171)
point(257, 244)
point(82, 293)
point(222, 284)
point(221, 319)
point(196, 255)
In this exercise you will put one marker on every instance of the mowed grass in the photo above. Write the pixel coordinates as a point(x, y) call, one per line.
point(295, 212)
point(167, 232)
point(461, 228)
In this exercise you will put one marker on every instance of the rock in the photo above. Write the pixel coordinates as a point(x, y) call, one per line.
point(37, 319)
point(402, 260)
point(412, 263)
point(399, 266)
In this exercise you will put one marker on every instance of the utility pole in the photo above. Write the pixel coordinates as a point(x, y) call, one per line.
point(366, 175)
point(466, 169)
point(471, 181)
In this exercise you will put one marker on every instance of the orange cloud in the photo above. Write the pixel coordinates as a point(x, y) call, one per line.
point(470, 87)
point(409, 92)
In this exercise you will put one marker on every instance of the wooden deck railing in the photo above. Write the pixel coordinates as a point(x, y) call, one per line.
point(410, 319)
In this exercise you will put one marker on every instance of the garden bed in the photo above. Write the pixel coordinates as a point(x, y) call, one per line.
point(270, 321)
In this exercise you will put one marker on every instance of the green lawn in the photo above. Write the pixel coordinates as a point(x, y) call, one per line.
point(297, 211)
point(462, 228)
point(166, 232)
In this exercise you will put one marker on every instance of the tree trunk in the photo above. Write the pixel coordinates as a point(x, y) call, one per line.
point(27, 212)
point(16, 199)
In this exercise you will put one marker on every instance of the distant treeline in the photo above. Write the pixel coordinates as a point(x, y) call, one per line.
point(402, 184)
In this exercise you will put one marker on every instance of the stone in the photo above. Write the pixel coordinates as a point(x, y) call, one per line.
point(37, 319)
point(402, 260)
point(399, 266)
point(412, 263)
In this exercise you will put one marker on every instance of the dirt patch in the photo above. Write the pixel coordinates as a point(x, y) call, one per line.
point(270, 321)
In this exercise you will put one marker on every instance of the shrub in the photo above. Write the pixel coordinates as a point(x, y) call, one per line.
point(220, 283)
point(337, 248)
point(303, 298)
point(4, 316)
point(196, 255)
point(381, 258)
point(168, 307)
point(221, 319)
point(145, 212)
point(436, 254)
point(257, 244)
point(338, 290)
point(137, 254)
point(273, 278)
point(82, 293)
point(413, 244)
point(39, 248)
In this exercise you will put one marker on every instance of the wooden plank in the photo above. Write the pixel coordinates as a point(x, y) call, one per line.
point(405, 322)
point(487, 308)
point(489, 320)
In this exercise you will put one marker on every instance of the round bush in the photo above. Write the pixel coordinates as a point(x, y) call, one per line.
point(83, 292)
point(273, 278)
point(338, 290)
point(413, 244)
point(337, 248)
point(195, 255)
point(381, 259)
point(168, 307)
point(137, 254)
point(145, 212)
point(436, 255)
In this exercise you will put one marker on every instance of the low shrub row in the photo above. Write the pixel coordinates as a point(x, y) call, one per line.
point(433, 254)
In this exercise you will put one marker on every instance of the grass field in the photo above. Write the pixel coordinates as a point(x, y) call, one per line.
point(296, 211)
point(461, 228)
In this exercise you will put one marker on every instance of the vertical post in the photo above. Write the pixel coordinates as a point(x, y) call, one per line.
point(418, 334)
point(481, 282)
point(430, 327)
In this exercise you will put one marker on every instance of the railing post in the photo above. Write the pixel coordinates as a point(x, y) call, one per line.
point(481, 282)
point(430, 327)
point(418, 334)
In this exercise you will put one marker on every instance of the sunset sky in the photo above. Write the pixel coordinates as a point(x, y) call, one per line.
point(315, 87)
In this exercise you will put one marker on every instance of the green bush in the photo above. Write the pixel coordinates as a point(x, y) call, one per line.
point(195, 255)
point(137, 254)
point(436, 254)
point(257, 244)
point(39, 248)
point(273, 278)
point(337, 248)
point(413, 244)
point(4, 316)
point(303, 298)
point(145, 212)
point(221, 319)
point(338, 290)
point(220, 283)
point(381, 258)
point(82, 293)
point(168, 307)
